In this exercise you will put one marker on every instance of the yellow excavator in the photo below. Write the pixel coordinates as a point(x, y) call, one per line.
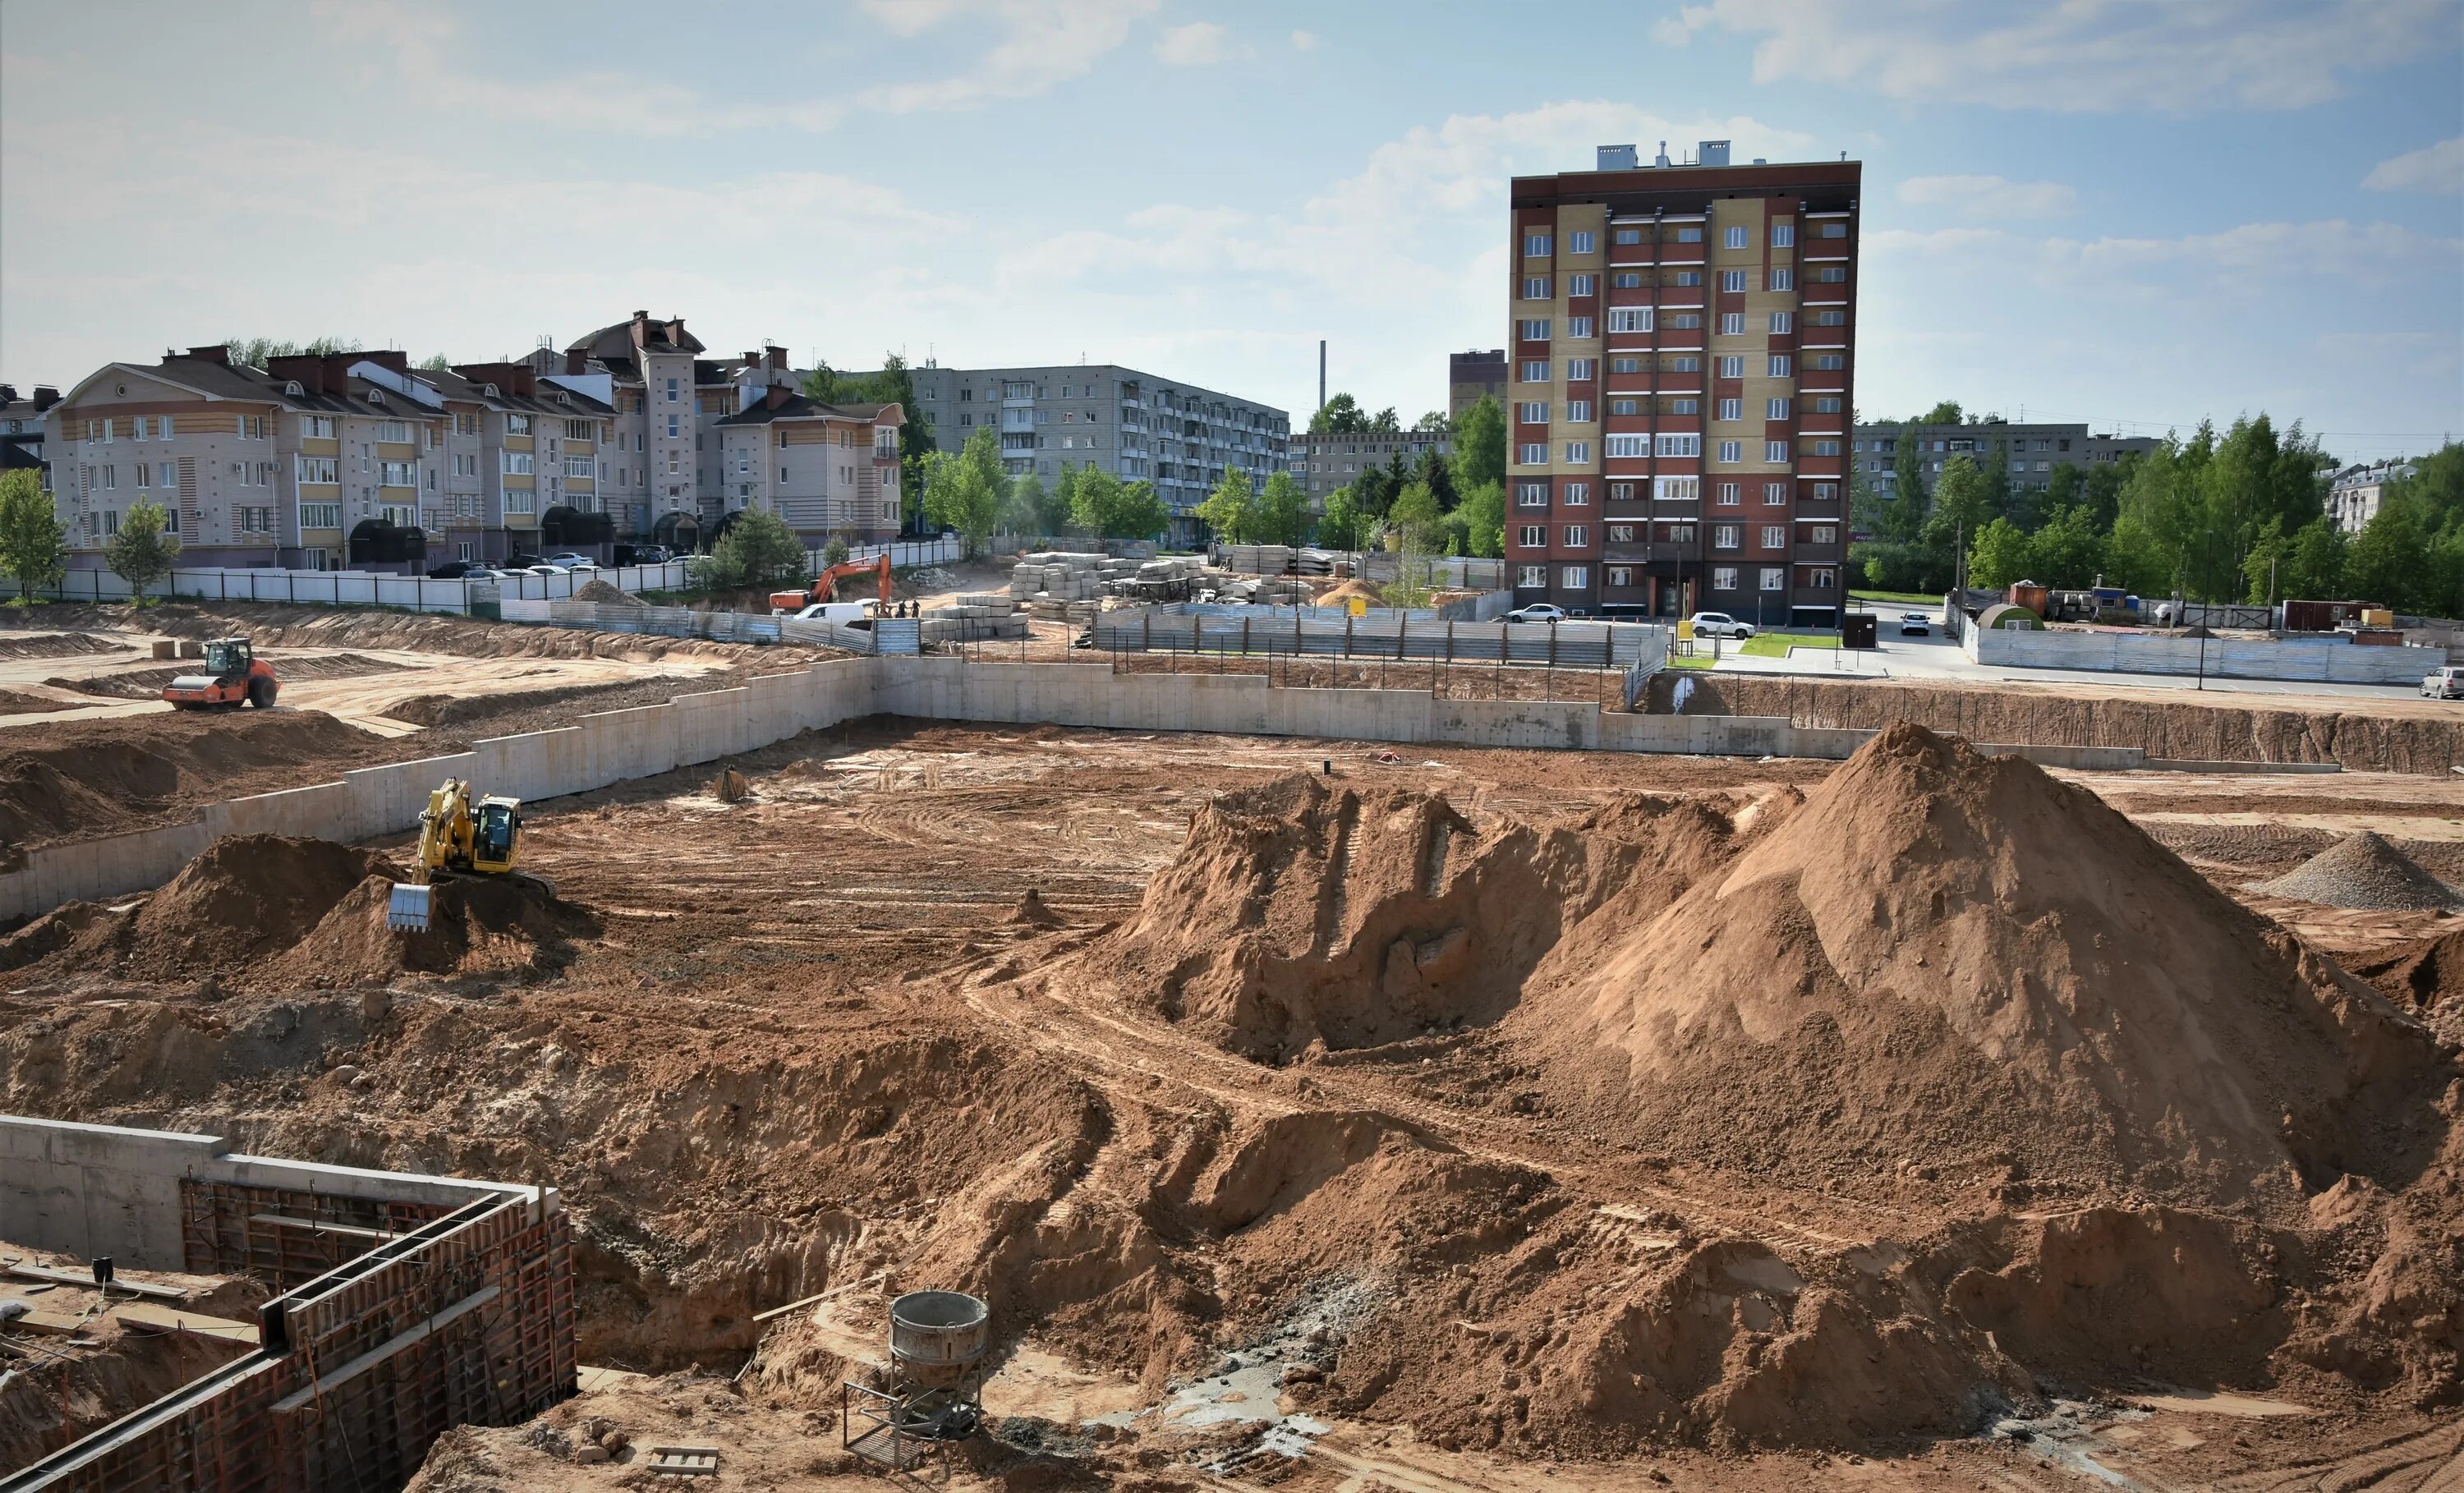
point(460, 834)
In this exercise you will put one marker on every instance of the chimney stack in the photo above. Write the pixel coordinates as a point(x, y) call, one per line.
point(44, 397)
point(778, 358)
point(219, 352)
point(7, 393)
point(573, 360)
point(776, 397)
point(308, 372)
point(676, 330)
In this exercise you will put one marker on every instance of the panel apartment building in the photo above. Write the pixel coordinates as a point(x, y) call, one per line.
point(1324, 463)
point(1137, 426)
point(2033, 451)
point(1682, 376)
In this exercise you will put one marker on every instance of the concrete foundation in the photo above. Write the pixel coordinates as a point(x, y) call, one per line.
point(375, 1347)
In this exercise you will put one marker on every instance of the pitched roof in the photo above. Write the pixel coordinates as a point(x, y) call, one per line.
point(796, 406)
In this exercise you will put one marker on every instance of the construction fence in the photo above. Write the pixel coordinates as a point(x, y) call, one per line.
point(1327, 632)
point(878, 635)
point(354, 587)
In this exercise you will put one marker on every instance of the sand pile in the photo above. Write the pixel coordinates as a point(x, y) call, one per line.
point(1962, 967)
point(276, 910)
point(1350, 591)
point(1033, 914)
point(605, 594)
point(2362, 870)
point(1302, 917)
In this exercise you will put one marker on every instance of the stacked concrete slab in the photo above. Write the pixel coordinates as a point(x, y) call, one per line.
point(974, 616)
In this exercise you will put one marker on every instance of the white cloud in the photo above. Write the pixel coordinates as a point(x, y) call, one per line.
point(2433, 168)
point(1043, 44)
point(1305, 41)
point(1198, 44)
point(1989, 197)
point(2079, 55)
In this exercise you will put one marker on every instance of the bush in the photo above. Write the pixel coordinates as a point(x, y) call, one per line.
point(760, 550)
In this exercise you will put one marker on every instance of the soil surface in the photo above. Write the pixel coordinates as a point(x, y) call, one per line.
point(1488, 1118)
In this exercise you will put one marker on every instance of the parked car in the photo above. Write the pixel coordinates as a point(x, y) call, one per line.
point(649, 554)
point(457, 570)
point(572, 562)
point(545, 569)
point(2444, 684)
point(1538, 611)
point(1720, 625)
point(1916, 625)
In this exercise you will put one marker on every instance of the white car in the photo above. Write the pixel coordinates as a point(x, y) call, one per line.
point(547, 570)
point(1538, 611)
point(2443, 684)
point(573, 561)
point(1720, 625)
point(1916, 625)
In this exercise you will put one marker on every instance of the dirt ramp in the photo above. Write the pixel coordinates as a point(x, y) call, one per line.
point(1941, 962)
point(477, 925)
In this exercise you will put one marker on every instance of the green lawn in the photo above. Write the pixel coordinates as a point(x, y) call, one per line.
point(1775, 645)
point(1695, 661)
point(1898, 598)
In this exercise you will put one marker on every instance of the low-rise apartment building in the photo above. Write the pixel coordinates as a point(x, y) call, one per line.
point(2356, 493)
point(524, 461)
point(1322, 463)
point(2033, 451)
point(1137, 426)
point(827, 470)
point(21, 430)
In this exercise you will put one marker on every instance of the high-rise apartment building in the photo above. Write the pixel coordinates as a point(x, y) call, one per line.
point(1681, 376)
point(1474, 376)
point(1137, 426)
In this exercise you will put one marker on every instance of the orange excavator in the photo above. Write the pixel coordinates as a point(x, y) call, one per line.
point(826, 585)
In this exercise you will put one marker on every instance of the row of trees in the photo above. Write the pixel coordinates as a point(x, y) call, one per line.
point(33, 543)
point(2237, 515)
point(1342, 415)
point(970, 492)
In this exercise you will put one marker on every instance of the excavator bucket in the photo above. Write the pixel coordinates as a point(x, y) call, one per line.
point(407, 909)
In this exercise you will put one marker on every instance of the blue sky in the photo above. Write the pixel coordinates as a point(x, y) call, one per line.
point(2135, 213)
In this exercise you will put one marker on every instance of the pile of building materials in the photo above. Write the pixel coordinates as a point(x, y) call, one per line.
point(1256, 590)
point(1065, 576)
point(1276, 559)
point(973, 616)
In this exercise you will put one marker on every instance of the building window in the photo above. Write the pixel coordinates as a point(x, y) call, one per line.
point(1579, 411)
point(1675, 489)
point(1580, 327)
point(1824, 447)
point(1775, 536)
point(1730, 409)
point(1732, 367)
point(1624, 406)
point(1580, 370)
point(1582, 285)
point(1736, 238)
point(1578, 535)
point(1775, 451)
point(1620, 575)
point(1687, 363)
point(1823, 533)
point(1532, 494)
point(1531, 536)
point(1535, 286)
point(397, 473)
point(1535, 372)
point(1733, 452)
point(1578, 495)
point(1578, 452)
point(1628, 235)
point(1536, 246)
point(1676, 444)
point(1829, 273)
point(1826, 491)
point(1622, 445)
point(1730, 493)
point(1625, 365)
point(1732, 323)
point(1776, 410)
point(1620, 491)
point(1783, 280)
point(320, 515)
point(1535, 330)
point(1684, 405)
point(672, 391)
point(1530, 575)
point(1779, 323)
point(1724, 577)
point(1732, 281)
point(1684, 277)
point(1575, 578)
point(1627, 280)
point(1532, 413)
point(1829, 404)
point(1534, 456)
point(515, 463)
point(1580, 242)
point(1827, 362)
point(1825, 577)
point(1783, 236)
point(1832, 231)
point(1774, 494)
point(1630, 318)
point(1727, 536)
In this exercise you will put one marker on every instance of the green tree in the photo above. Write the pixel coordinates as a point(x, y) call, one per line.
point(145, 549)
point(1910, 503)
point(435, 363)
point(2000, 499)
point(2306, 564)
point(1947, 412)
point(1434, 423)
point(253, 351)
point(1374, 490)
point(1341, 416)
point(1480, 444)
point(1283, 513)
point(1386, 423)
point(33, 543)
point(1482, 512)
point(964, 491)
point(1103, 504)
point(2102, 491)
point(2063, 488)
point(1960, 511)
point(2135, 560)
point(2067, 552)
point(893, 383)
point(1438, 476)
point(2000, 556)
point(1418, 527)
point(1340, 527)
point(834, 552)
point(1231, 510)
point(757, 550)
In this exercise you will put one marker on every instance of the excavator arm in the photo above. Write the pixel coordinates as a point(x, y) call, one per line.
point(448, 836)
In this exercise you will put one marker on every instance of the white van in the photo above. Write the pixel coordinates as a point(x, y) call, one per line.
point(844, 613)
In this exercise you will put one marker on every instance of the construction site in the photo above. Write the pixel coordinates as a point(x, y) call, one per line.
point(531, 1058)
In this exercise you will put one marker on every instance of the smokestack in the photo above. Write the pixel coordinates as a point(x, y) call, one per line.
point(1321, 373)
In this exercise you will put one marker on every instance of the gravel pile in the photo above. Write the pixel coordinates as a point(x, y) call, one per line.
point(2362, 870)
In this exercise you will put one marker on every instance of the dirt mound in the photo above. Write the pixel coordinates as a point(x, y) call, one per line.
point(2422, 975)
point(605, 594)
point(80, 778)
point(1350, 591)
point(730, 788)
point(1033, 914)
point(2362, 870)
point(16, 703)
point(1948, 963)
point(477, 925)
point(1299, 916)
point(55, 644)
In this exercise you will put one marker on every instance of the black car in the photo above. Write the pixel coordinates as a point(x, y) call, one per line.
point(451, 570)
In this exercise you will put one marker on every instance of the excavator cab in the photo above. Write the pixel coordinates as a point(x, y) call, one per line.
point(491, 838)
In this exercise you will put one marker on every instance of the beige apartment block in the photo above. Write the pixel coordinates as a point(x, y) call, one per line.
point(827, 470)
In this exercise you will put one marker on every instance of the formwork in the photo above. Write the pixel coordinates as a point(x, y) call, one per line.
point(410, 1305)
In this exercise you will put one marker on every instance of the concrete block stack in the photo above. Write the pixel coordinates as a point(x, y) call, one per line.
point(1277, 560)
point(1058, 576)
point(974, 616)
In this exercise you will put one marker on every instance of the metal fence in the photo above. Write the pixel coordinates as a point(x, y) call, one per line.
point(1287, 630)
point(886, 635)
point(353, 587)
point(903, 554)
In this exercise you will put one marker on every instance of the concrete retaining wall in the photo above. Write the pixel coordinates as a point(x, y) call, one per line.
point(2227, 658)
point(615, 746)
point(88, 1189)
